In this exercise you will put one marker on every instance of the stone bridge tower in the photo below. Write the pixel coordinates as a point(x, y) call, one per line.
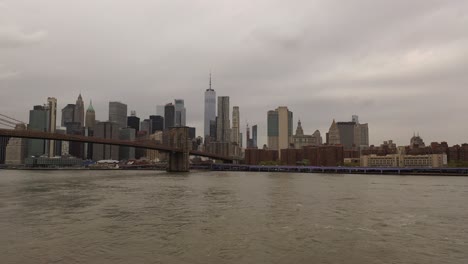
point(178, 137)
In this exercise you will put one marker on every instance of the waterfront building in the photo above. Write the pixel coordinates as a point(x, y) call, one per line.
point(403, 160)
point(108, 130)
point(169, 116)
point(68, 114)
point(15, 152)
point(52, 107)
point(157, 123)
point(179, 112)
point(280, 128)
point(55, 162)
point(210, 110)
point(133, 121)
point(118, 113)
point(90, 121)
point(79, 112)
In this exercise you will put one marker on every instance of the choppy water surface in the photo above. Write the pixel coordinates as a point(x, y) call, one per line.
point(226, 217)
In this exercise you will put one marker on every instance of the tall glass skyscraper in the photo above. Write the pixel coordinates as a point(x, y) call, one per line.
point(223, 125)
point(118, 113)
point(210, 109)
point(179, 112)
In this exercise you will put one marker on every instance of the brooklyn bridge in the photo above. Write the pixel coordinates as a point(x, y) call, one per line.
point(177, 145)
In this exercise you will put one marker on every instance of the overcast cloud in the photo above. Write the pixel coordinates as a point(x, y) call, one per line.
point(401, 65)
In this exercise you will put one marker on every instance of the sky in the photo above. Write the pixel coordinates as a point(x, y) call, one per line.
point(401, 65)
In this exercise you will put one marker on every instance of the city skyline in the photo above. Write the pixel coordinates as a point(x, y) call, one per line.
point(413, 56)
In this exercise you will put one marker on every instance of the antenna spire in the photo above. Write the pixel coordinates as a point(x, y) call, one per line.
point(210, 80)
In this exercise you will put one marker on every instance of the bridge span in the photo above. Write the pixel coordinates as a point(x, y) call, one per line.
point(178, 149)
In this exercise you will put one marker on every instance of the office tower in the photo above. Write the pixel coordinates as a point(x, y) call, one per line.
point(160, 110)
point(108, 130)
point(280, 128)
point(59, 143)
point(145, 126)
point(179, 112)
point(76, 149)
point(333, 136)
point(157, 123)
point(213, 129)
point(361, 133)
point(254, 136)
point(38, 121)
point(68, 114)
point(346, 130)
point(127, 153)
point(52, 105)
point(133, 121)
point(15, 152)
point(235, 138)
point(272, 129)
point(210, 109)
point(90, 116)
point(118, 113)
point(79, 111)
point(169, 116)
point(248, 139)
point(223, 133)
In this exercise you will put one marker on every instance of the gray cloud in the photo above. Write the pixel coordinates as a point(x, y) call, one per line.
point(400, 65)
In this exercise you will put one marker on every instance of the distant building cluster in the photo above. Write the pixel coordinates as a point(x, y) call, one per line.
point(346, 143)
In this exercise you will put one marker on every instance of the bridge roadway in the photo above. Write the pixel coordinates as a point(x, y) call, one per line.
point(147, 144)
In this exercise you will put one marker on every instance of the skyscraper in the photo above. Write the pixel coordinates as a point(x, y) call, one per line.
point(109, 130)
point(38, 121)
point(79, 111)
point(346, 130)
point(90, 116)
point(68, 114)
point(157, 123)
point(52, 105)
point(272, 129)
point(235, 138)
point(133, 121)
point(223, 124)
point(179, 112)
point(254, 136)
point(118, 113)
point(145, 126)
point(280, 128)
point(127, 153)
point(160, 110)
point(169, 116)
point(210, 109)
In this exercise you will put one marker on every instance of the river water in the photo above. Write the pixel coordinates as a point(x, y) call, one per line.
point(231, 217)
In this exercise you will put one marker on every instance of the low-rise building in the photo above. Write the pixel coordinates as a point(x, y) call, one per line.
point(403, 160)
